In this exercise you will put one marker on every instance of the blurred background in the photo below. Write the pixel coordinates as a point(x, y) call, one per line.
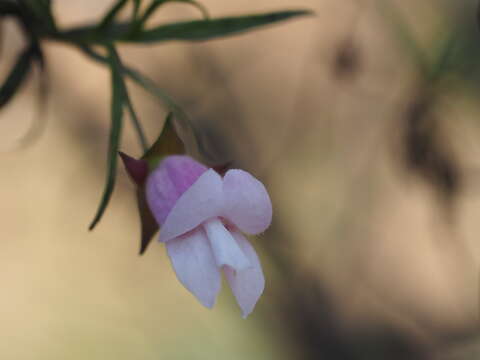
point(362, 121)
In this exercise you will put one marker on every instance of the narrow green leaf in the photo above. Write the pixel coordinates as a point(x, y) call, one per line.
point(43, 11)
point(136, 8)
point(197, 30)
point(17, 76)
point(136, 122)
point(214, 28)
point(117, 103)
point(111, 14)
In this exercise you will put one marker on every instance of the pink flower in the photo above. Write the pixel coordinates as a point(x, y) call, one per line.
point(201, 216)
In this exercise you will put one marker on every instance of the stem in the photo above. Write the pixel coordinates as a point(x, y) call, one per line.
point(142, 139)
point(150, 86)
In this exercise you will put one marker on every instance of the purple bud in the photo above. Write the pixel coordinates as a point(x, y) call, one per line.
point(169, 181)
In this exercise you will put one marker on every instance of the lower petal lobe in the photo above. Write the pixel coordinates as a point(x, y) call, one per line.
point(246, 285)
point(193, 262)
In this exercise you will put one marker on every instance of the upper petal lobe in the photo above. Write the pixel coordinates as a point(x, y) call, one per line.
point(246, 202)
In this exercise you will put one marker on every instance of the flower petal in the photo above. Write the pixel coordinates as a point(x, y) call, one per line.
point(246, 285)
point(225, 249)
point(169, 181)
point(193, 262)
point(247, 204)
point(203, 200)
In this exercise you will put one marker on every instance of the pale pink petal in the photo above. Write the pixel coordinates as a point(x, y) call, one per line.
point(246, 202)
point(202, 201)
point(247, 285)
point(170, 179)
point(225, 249)
point(193, 262)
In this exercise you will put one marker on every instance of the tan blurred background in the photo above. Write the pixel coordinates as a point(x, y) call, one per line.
point(366, 258)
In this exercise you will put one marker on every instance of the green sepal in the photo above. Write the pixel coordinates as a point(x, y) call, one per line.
point(168, 143)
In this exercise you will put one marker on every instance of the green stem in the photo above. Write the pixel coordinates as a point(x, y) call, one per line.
point(142, 139)
point(150, 86)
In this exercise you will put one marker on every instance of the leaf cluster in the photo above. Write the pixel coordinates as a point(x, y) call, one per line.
point(37, 20)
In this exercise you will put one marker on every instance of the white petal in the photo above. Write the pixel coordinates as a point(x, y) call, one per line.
point(247, 285)
point(203, 200)
point(193, 262)
point(247, 203)
point(225, 249)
